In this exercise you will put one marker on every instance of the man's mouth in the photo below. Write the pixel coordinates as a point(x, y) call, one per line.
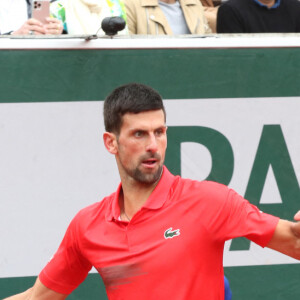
point(150, 161)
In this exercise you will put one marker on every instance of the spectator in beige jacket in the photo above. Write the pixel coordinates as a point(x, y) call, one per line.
point(166, 17)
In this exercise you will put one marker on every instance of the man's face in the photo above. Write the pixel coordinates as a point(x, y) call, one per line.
point(142, 144)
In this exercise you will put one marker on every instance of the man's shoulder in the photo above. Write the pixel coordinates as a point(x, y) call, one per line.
point(203, 187)
point(95, 210)
point(203, 183)
point(201, 194)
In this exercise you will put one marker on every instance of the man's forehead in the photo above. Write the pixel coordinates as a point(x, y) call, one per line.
point(146, 118)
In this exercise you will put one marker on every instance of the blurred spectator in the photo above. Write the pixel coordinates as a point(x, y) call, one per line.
point(73, 16)
point(161, 17)
point(15, 18)
point(210, 11)
point(85, 16)
point(256, 16)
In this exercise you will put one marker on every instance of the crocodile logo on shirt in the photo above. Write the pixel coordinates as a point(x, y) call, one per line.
point(169, 233)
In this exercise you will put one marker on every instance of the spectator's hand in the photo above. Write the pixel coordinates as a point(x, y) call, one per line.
point(297, 216)
point(53, 26)
point(31, 26)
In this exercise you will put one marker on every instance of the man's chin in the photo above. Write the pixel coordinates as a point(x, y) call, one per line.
point(148, 177)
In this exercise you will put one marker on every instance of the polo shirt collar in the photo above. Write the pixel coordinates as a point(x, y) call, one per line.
point(155, 201)
point(160, 194)
point(276, 4)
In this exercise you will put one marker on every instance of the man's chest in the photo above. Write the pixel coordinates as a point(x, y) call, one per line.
point(153, 239)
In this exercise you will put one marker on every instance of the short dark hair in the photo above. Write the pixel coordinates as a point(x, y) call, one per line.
point(129, 98)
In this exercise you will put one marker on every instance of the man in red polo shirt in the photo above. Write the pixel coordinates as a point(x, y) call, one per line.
point(158, 236)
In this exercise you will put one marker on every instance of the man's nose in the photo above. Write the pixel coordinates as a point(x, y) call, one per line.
point(152, 143)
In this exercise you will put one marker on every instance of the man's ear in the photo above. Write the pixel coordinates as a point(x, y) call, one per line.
point(110, 142)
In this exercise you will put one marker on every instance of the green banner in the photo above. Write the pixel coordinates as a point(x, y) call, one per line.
point(76, 75)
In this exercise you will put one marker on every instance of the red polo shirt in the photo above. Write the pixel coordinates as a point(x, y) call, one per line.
point(171, 249)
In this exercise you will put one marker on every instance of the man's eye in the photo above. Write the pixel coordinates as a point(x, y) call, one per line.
point(159, 132)
point(138, 134)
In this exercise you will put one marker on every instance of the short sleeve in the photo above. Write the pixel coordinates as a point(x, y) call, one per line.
point(68, 268)
point(244, 219)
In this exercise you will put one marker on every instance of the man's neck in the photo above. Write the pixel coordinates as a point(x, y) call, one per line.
point(133, 197)
point(268, 3)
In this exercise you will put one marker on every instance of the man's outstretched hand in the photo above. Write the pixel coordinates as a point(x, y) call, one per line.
point(296, 226)
point(297, 216)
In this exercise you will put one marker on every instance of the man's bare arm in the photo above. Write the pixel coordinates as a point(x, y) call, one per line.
point(38, 292)
point(286, 238)
point(22, 296)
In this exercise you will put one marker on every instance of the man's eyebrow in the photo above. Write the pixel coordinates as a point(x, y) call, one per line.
point(144, 129)
point(161, 127)
point(137, 129)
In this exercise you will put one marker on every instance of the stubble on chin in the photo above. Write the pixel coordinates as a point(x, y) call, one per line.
point(147, 178)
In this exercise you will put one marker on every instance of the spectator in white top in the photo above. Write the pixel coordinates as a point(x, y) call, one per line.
point(15, 19)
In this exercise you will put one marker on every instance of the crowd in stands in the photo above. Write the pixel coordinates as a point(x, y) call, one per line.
point(154, 17)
